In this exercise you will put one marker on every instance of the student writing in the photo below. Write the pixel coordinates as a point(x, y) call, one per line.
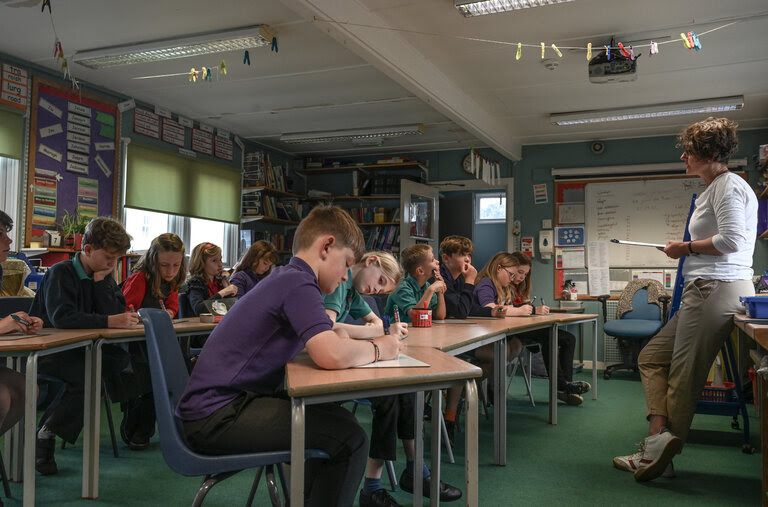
point(207, 278)
point(243, 407)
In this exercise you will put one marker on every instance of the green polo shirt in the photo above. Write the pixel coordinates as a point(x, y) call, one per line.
point(407, 294)
point(345, 301)
point(79, 269)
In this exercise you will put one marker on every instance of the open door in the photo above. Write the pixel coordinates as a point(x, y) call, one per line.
point(419, 209)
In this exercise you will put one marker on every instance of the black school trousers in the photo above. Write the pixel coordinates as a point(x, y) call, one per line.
point(253, 423)
point(566, 344)
point(392, 419)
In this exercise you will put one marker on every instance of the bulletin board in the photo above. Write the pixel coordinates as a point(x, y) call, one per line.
point(73, 157)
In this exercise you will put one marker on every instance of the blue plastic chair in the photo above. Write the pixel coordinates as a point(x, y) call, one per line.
point(169, 379)
point(634, 328)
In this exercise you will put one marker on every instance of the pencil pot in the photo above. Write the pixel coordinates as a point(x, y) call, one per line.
point(422, 318)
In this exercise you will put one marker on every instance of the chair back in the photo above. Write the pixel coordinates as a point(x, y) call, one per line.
point(13, 304)
point(641, 308)
point(169, 379)
point(374, 308)
point(185, 308)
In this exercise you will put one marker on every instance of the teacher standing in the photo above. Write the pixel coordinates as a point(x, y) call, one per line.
point(675, 363)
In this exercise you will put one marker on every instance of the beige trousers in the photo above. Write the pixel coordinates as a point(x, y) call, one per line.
point(674, 365)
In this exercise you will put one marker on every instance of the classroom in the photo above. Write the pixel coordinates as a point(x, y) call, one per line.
point(566, 130)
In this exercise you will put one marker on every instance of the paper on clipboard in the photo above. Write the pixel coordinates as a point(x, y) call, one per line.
point(402, 361)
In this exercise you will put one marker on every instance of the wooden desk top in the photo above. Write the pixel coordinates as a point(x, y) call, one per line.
point(47, 338)
point(759, 332)
point(190, 325)
point(304, 378)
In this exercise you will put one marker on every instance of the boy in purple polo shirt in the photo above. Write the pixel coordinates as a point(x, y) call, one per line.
point(235, 401)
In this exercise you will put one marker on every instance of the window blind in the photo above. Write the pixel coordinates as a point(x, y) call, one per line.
point(11, 132)
point(160, 180)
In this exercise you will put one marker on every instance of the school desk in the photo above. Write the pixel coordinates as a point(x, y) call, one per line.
point(457, 339)
point(759, 333)
point(92, 427)
point(47, 341)
point(307, 384)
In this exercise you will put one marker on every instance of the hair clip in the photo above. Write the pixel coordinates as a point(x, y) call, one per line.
point(589, 51)
point(519, 50)
point(624, 52)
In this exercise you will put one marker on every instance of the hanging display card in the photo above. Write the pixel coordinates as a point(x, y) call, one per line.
point(69, 131)
point(15, 85)
point(222, 148)
point(173, 132)
point(146, 123)
point(202, 141)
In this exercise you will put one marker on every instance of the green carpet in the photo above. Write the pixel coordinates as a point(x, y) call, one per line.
point(546, 465)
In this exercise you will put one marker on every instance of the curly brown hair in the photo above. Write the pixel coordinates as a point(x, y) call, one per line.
point(456, 245)
point(713, 139)
point(107, 233)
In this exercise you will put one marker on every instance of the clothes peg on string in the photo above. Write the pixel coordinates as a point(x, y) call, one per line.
point(690, 40)
point(654, 49)
point(624, 52)
point(631, 53)
point(246, 58)
point(274, 44)
point(208, 75)
point(557, 51)
point(543, 48)
point(519, 50)
point(589, 51)
point(203, 72)
point(223, 68)
point(65, 69)
point(696, 43)
point(58, 52)
point(192, 75)
point(685, 41)
point(46, 3)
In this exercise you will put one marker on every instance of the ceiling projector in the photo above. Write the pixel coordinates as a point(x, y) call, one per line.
point(619, 69)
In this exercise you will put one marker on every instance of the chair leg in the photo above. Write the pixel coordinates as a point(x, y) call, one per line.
point(391, 473)
point(4, 475)
point(274, 493)
point(446, 440)
point(108, 410)
point(527, 377)
point(285, 480)
point(254, 487)
point(483, 392)
point(209, 481)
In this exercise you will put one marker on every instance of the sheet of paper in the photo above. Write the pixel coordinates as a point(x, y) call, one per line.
point(570, 258)
point(402, 361)
point(599, 274)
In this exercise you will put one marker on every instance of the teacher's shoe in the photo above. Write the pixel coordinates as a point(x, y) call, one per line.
point(660, 449)
point(379, 498)
point(448, 493)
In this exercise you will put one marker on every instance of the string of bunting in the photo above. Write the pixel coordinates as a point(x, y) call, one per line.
point(690, 40)
point(484, 168)
point(205, 73)
point(58, 50)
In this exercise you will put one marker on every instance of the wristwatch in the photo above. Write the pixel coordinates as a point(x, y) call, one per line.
point(690, 249)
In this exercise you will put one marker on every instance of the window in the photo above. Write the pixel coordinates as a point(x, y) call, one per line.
point(490, 208)
point(9, 192)
point(144, 226)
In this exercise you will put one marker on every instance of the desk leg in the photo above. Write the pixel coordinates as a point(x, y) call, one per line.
point(500, 402)
point(436, 448)
point(594, 359)
point(92, 420)
point(30, 433)
point(471, 445)
point(418, 458)
point(553, 374)
point(14, 440)
point(297, 450)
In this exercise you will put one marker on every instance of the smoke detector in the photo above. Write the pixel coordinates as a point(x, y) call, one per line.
point(550, 63)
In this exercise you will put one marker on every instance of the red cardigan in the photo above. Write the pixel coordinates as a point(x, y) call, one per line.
point(135, 289)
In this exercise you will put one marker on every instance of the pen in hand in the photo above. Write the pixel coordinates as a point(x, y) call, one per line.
point(20, 320)
point(385, 321)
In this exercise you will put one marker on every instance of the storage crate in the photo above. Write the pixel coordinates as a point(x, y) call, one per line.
point(757, 306)
point(725, 393)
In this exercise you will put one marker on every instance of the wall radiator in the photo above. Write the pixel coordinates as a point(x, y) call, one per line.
point(611, 352)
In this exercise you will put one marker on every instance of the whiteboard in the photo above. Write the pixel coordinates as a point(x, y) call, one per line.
point(651, 211)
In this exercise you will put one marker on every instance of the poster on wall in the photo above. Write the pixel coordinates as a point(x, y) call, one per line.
point(15, 86)
point(222, 148)
point(73, 155)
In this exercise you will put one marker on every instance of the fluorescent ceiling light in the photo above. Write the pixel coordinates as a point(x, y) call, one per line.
point(469, 8)
point(352, 134)
point(177, 47)
point(631, 169)
point(719, 105)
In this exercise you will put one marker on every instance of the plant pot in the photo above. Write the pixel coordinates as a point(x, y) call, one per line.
point(74, 241)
